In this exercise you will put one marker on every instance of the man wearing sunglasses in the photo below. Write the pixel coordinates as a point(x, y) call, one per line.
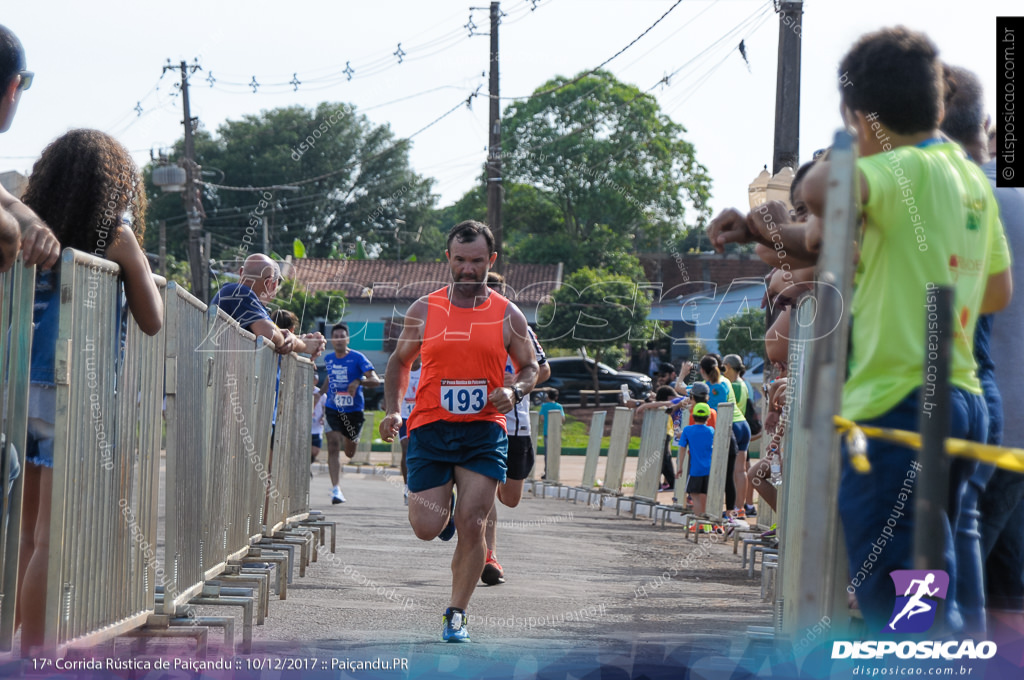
point(258, 280)
point(19, 226)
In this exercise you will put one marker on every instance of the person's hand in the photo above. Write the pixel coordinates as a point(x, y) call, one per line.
point(503, 399)
point(390, 426)
point(39, 246)
point(729, 227)
point(353, 387)
point(764, 221)
point(287, 343)
point(315, 344)
point(771, 421)
point(679, 475)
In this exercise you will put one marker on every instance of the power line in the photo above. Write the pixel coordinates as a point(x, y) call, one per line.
point(390, 149)
point(603, 63)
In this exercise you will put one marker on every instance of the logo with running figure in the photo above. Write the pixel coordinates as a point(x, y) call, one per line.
point(917, 592)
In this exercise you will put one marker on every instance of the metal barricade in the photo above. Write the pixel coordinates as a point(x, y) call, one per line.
point(593, 454)
point(552, 456)
point(618, 447)
point(288, 490)
point(187, 445)
point(811, 576)
point(220, 398)
point(648, 462)
point(102, 573)
point(17, 292)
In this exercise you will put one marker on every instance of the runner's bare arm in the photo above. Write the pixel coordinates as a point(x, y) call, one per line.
point(520, 348)
point(368, 379)
point(396, 376)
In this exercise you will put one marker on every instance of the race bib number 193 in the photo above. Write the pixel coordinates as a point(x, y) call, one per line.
point(463, 396)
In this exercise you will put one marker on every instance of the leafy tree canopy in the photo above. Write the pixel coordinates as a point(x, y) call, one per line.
point(597, 310)
point(606, 157)
point(363, 186)
point(742, 334)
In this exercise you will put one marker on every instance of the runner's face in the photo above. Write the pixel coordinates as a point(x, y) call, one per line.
point(470, 263)
point(339, 341)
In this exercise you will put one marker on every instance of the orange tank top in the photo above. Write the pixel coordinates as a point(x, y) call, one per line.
point(463, 355)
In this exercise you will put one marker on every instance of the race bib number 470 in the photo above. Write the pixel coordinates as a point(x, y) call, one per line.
point(463, 396)
point(343, 399)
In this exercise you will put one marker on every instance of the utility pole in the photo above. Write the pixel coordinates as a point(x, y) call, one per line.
point(266, 233)
point(787, 88)
point(193, 206)
point(163, 248)
point(494, 188)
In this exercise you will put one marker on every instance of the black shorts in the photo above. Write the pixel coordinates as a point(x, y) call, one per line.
point(697, 484)
point(348, 424)
point(520, 457)
point(318, 441)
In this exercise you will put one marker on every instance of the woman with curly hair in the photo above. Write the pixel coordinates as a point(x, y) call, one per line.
point(86, 187)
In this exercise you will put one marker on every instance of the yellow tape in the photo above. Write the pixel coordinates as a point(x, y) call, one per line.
point(1001, 457)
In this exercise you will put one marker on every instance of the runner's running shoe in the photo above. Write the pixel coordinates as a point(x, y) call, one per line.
point(454, 626)
point(337, 496)
point(493, 573)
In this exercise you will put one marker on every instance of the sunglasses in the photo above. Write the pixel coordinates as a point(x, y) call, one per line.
point(26, 79)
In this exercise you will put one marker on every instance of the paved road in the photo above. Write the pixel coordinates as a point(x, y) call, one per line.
point(583, 586)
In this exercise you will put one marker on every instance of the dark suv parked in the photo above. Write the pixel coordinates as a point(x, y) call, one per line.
point(569, 375)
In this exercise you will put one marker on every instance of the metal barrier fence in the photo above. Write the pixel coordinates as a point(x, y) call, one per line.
point(288, 488)
point(618, 446)
point(101, 573)
point(812, 571)
point(17, 292)
point(220, 396)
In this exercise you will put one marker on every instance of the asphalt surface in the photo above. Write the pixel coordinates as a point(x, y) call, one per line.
point(582, 587)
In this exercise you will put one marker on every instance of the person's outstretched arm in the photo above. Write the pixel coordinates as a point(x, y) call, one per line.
point(143, 296)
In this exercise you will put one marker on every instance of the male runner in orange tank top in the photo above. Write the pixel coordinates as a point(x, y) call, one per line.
point(457, 437)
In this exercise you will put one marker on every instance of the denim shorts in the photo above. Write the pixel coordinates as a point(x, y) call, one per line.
point(437, 448)
point(42, 412)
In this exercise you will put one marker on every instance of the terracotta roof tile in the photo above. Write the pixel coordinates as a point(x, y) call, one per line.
point(407, 281)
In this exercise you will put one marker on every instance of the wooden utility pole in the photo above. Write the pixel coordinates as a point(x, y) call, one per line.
point(787, 88)
point(163, 248)
point(494, 188)
point(193, 206)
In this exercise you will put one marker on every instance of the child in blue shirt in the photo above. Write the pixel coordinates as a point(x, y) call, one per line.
point(697, 439)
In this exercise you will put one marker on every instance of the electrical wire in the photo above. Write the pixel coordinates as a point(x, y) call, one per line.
point(599, 66)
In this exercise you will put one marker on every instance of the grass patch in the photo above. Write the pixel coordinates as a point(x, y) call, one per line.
point(575, 433)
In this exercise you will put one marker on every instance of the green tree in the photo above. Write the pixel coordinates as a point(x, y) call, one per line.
point(309, 306)
point(362, 185)
point(602, 152)
point(742, 334)
point(532, 223)
point(597, 311)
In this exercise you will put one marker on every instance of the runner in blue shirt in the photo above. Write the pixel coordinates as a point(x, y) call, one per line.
point(347, 372)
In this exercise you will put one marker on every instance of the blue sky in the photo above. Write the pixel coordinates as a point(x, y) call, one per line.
point(95, 61)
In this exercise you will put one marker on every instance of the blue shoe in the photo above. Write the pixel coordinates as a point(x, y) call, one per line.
point(449, 529)
point(455, 629)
